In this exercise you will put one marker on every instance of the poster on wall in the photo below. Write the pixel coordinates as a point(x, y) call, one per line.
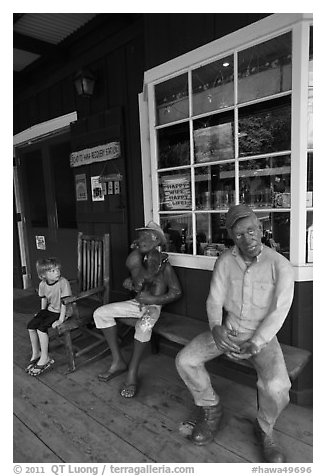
point(40, 242)
point(176, 192)
point(97, 189)
point(81, 187)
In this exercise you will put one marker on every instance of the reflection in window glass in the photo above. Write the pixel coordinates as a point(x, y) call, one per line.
point(178, 232)
point(265, 69)
point(310, 119)
point(265, 127)
point(175, 190)
point(309, 201)
point(172, 101)
point(276, 231)
point(212, 235)
point(213, 85)
point(214, 186)
point(173, 146)
point(310, 56)
point(309, 238)
point(214, 138)
point(266, 182)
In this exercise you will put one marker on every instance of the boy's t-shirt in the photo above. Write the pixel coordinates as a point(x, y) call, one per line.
point(54, 293)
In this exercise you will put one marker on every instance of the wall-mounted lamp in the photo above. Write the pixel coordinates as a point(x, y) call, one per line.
point(84, 81)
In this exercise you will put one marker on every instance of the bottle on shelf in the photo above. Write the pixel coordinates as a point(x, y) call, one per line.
point(183, 241)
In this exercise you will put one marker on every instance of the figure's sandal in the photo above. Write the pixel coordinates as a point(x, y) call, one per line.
point(128, 391)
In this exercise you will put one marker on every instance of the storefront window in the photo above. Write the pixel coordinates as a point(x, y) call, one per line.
point(221, 134)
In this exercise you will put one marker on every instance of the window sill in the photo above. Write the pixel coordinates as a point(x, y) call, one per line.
point(301, 273)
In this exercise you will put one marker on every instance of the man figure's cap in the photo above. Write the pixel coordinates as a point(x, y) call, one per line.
point(154, 227)
point(235, 213)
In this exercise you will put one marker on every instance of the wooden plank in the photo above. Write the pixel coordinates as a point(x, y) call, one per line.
point(173, 401)
point(72, 434)
point(295, 421)
point(28, 448)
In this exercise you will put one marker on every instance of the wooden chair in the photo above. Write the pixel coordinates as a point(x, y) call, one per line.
point(93, 285)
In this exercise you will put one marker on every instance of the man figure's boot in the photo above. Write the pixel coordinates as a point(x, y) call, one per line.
point(207, 425)
point(272, 451)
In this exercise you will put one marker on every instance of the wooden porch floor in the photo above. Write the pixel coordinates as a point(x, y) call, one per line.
point(75, 418)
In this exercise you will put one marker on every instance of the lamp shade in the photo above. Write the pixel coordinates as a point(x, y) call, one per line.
point(84, 81)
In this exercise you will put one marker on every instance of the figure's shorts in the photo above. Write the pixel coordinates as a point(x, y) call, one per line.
point(144, 317)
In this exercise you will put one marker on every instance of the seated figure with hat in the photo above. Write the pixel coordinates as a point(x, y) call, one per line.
point(252, 288)
point(155, 283)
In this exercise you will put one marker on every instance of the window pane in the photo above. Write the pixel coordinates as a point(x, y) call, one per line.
point(266, 182)
point(175, 190)
point(172, 101)
point(64, 185)
point(309, 238)
point(310, 119)
point(265, 127)
point(33, 171)
point(178, 231)
point(213, 85)
point(265, 69)
point(173, 146)
point(214, 138)
point(214, 186)
point(310, 56)
point(310, 179)
point(276, 231)
point(212, 235)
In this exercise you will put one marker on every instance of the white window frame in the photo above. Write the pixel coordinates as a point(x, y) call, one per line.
point(260, 31)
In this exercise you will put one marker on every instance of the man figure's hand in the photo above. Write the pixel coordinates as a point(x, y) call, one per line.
point(247, 350)
point(224, 340)
point(145, 298)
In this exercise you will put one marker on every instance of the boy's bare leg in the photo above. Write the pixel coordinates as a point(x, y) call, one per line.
point(35, 343)
point(44, 343)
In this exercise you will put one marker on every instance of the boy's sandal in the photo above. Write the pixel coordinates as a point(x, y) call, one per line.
point(39, 369)
point(31, 364)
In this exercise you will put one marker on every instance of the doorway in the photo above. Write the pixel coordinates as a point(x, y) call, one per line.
point(46, 186)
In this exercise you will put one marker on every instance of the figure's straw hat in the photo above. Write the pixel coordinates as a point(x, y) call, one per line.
point(152, 226)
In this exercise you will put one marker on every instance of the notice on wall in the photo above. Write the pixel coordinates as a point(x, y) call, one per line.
point(177, 192)
point(95, 154)
point(40, 242)
point(81, 187)
point(97, 189)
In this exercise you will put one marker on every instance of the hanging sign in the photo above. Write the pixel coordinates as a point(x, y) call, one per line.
point(110, 178)
point(177, 192)
point(95, 154)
